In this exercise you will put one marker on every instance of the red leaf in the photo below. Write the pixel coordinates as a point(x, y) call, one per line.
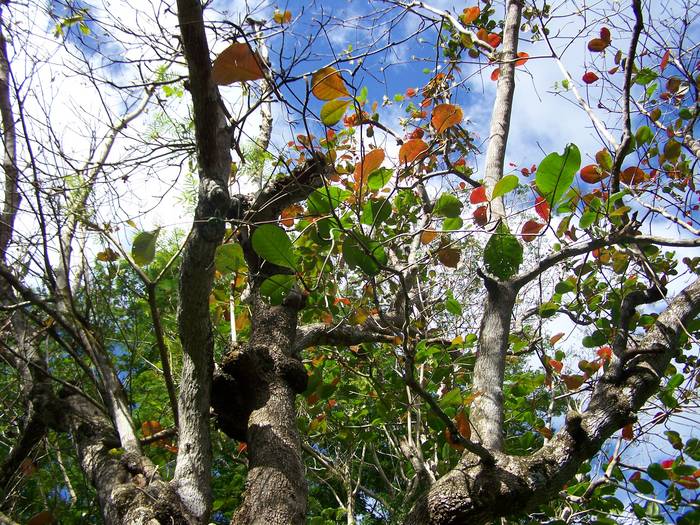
point(605, 34)
point(667, 463)
point(493, 39)
point(478, 195)
point(633, 175)
point(664, 60)
point(637, 475)
point(530, 230)
point(593, 173)
point(410, 92)
point(481, 216)
point(523, 58)
point(628, 432)
point(495, 74)
point(589, 77)
point(542, 208)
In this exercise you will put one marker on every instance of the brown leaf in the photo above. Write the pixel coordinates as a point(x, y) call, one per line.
point(148, 428)
point(237, 63)
point(449, 257)
point(531, 229)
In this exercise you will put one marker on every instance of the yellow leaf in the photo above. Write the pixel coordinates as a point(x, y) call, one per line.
point(327, 84)
point(237, 63)
point(148, 428)
point(282, 17)
point(445, 116)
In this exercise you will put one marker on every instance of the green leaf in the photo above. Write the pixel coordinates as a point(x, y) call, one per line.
point(452, 305)
point(333, 110)
point(503, 254)
point(452, 223)
point(672, 150)
point(378, 178)
point(657, 472)
point(447, 205)
point(643, 135)
point(565, 286)
point(323, 200)
point(555, 174)
point(276, 287)
point(229, 258)
point(143, 247)
point(644, 486)
point(364, 253)
point(587, 219)
point(645, 76)
point(505, 185)
point(375, 212)
point(675, 382)
point(272, 244)
point(453, 398)
point(692, 448)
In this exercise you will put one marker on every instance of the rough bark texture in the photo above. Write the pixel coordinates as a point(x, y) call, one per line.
point(487, 407)
point(193, 470)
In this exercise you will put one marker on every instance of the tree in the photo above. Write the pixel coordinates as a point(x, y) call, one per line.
point(379, 331)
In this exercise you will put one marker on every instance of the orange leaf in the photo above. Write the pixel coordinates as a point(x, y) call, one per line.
point(593, 173)
point(556, 365)
point(463, 425)
point(427, 236)
point(495, 74)
point(589, 77)
point(445, 116)
point(530, 230)
point(542, 208)
point(170, 448)
point(556, 337)
point(605, 353)
point(628, 432)
point(597, 45)
point(371, 161)
point(417, 133)
point(523, 58)
point(449, 257)
point(688, 482)
point(478, 195)
point(411, 150)
point(545, 431)
point(470, 14)
point(664, 60)
point(481, 215)
point(482, 34)
point(633, 175)
point(242, 446)
point(410, 92)
point(289, 214)
point(236, 63)
point(327, 84)
point(573, 382)
point(148, 428)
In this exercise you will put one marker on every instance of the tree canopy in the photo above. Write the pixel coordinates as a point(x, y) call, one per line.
point(343, 262)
